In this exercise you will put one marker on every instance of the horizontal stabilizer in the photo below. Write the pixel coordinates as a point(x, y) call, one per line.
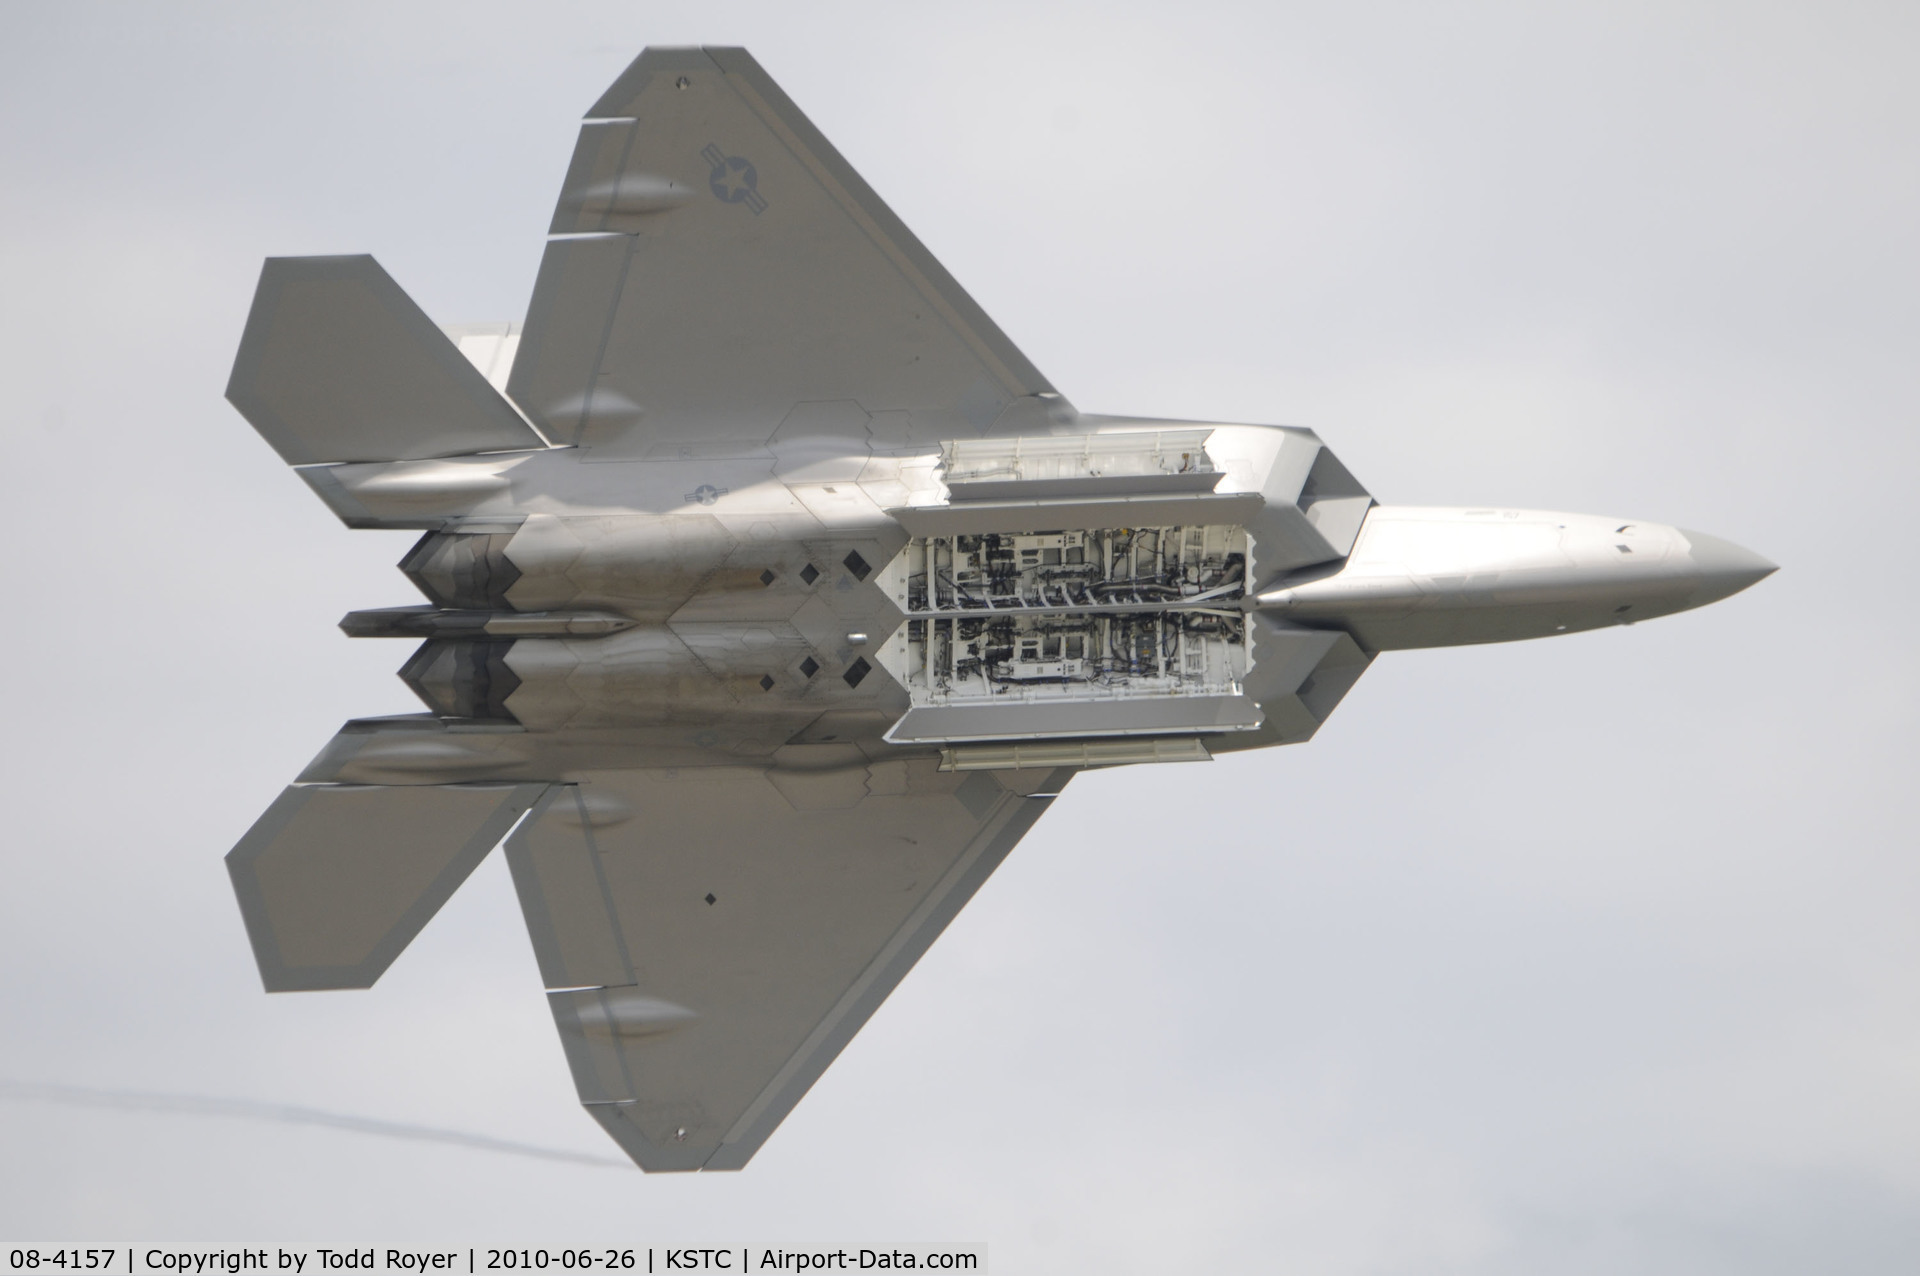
point(338, 364)
point(335, 880)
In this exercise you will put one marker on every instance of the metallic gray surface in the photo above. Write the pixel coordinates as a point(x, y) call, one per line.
point(334, 882)
point(702, 993)
point(1725, 568)
point(338, 364)
point(712, 633)
point(1440, 578)
point(796, 285)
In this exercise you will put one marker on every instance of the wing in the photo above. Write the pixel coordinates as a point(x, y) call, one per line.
point(720, 934)
point(745, 268)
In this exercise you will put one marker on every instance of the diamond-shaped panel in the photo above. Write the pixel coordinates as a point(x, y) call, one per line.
point(809, 666)
point(857, 565)
point(809, 573)
point(856, 671)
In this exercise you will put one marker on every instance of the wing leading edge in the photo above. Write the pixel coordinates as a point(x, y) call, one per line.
point(718, 263)
point(711, 937)
point(714, 937)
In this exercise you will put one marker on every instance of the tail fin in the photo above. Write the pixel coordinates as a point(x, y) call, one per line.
point(338, 364)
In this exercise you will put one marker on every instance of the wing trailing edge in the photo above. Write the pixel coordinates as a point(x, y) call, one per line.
point(712, 938)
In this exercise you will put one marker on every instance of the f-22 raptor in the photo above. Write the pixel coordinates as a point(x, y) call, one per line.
point(773, 595)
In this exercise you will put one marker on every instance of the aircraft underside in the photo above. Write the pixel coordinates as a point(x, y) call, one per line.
point(773, 594)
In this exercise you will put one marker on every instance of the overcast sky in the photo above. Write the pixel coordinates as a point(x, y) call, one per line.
point(1585, 956)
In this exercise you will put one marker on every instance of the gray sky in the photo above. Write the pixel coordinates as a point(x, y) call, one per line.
point(1584, 956)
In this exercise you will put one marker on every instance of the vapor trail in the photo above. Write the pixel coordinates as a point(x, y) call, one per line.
point(290, 1114)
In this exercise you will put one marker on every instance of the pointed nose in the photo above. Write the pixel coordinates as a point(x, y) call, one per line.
point(1725, 568)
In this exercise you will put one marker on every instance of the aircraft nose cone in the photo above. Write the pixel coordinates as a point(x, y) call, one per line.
point(1725, 568)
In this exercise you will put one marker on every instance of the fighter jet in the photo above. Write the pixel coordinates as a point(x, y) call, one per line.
point(773, 595)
